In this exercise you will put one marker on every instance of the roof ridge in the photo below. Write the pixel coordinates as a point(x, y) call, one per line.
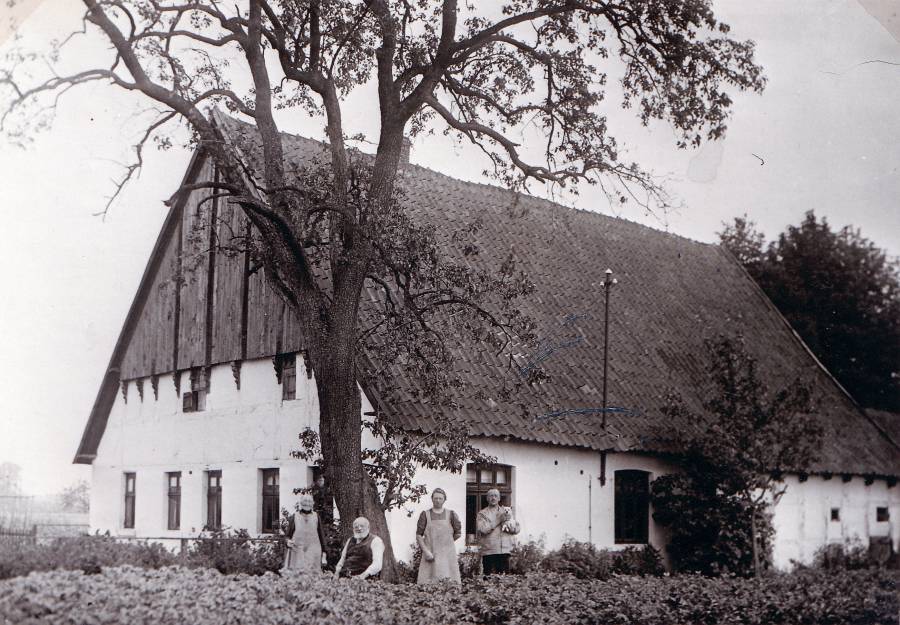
point(551, 204)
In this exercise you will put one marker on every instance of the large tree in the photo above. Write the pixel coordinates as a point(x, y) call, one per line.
point(840, 292)
point(487, 73)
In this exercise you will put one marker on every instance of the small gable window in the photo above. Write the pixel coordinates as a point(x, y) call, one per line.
point(835, 514)
point(195, 399)
point(289, 377)
point(632, 507)
point(882, 515)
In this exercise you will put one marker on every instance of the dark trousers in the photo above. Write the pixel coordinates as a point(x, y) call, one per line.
point(497, 563)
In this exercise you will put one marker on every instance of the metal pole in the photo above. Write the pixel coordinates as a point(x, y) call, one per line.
point(606, 285)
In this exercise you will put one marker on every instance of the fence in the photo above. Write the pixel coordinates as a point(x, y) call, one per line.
point(13, 536)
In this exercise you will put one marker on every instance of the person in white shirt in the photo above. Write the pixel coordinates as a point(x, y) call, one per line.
point(363, 554)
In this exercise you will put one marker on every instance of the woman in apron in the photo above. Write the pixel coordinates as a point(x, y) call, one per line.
point(306, 541)
point(436, 532)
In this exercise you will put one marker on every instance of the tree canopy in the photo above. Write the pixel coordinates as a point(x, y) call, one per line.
point(840, 292)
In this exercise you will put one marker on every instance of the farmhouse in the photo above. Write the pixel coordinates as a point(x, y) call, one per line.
point(207, 387)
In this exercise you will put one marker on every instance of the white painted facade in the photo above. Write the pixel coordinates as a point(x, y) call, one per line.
point(556, 491)
point(803, 517)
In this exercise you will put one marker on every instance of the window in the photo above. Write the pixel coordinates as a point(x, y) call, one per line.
point(174, 486)
point(213, 500)
point(270, 507)
point(289, 377)
point(195, 399)
point(480, 478)
point(835, 514)
point(882, 515)
point(130, 479)
point(632, 506)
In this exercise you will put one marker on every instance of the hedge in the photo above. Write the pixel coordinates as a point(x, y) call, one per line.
point(171, 595)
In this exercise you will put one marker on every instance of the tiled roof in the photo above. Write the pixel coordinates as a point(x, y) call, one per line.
point(672, 293)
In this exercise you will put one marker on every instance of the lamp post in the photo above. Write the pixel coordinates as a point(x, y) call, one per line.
point(608, 282)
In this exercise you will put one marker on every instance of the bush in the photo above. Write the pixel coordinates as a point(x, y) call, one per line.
point(709, 533)
point(526, 557)
point(582, 560)
point(89, 554)
point(469, 565)
point(852, 555)
point(233, 552)
point(644, 560)
point(204, 596)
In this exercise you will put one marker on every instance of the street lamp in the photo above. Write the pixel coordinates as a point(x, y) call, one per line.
point(608, 282)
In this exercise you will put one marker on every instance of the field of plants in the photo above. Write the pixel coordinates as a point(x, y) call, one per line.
point(99, 581)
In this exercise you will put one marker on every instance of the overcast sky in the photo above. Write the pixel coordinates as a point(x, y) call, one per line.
point(826, 133)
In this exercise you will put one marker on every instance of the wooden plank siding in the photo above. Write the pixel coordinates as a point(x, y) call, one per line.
point(152, 347)
point(218, 304)
point(194, 272)
point(229, 279)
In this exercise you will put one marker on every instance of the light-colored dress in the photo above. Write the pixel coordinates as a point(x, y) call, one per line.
point(439, 540)
point(306, 554)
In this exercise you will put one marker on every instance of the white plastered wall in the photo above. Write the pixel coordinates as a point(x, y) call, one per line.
point(556, 494)
point(240, 432)
point(802, 518)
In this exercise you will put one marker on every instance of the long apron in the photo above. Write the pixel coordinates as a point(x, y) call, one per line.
point(306, 555)
point(439, 540)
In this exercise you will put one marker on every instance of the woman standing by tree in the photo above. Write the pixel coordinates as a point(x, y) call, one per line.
point(436, 532)
point(306, 541)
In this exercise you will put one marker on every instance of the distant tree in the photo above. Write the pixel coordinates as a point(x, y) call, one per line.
point(840, 293)
point(748, 437)
point(77, 497)
point(746, 243)
point(10, 478)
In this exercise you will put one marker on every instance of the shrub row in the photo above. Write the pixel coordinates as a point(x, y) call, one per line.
point(179, 595)
point(230, 553)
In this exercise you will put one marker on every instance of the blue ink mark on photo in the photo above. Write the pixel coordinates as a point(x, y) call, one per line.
point(571, 318)
point(547, 349)
point(556, 414)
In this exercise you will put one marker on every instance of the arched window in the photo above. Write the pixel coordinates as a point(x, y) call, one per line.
point(632, 492)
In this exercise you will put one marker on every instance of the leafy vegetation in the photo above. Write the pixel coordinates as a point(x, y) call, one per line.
point(717, 509)
point(172, 595)
point(840, 293)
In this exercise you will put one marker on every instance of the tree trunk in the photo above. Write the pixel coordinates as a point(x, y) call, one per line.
point(755, 543)
point(340, 429)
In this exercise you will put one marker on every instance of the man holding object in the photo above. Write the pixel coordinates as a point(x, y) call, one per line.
point(496, 528)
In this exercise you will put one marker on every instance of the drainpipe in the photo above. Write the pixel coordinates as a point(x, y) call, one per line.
point(590, 512)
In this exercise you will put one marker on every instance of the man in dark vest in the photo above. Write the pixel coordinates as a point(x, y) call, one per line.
point(363, 554)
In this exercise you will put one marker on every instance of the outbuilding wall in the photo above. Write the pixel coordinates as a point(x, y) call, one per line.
point(802, 517)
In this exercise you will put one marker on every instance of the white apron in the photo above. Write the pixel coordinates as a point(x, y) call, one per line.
point(306, 555)
point(439, 540)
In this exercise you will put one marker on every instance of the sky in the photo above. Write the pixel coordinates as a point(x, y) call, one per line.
point(824, 136)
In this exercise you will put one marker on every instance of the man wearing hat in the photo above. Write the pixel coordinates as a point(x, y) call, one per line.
point(496, 528)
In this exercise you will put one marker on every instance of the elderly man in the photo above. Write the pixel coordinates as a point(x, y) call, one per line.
point(496, 527)
point(363, 555)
